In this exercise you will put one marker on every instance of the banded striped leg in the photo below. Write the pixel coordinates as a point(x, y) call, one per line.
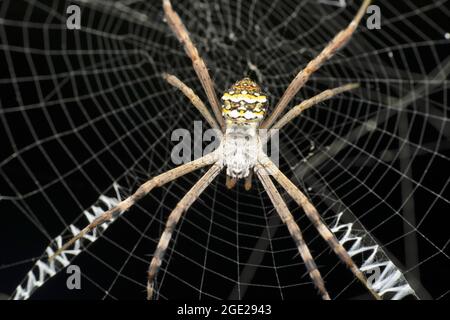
point(195, 100)
point(172, 221)
point(177, 26)
point(294, 230)
point(314, 217)
point(142, 191)
point(334, 45)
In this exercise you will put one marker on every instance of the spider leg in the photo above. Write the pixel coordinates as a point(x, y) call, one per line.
point(177, 26)
point(314, 217)
point(337, 43)
point(172, 221)
point(142, 191)
point(195, 100)
point(298, 109)
point(294, 230)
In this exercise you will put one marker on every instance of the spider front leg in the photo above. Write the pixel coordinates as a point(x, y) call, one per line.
point(195, 100)
point(316, 220)
point(172, 221)
point(143, 190)
point(177, 26)
point(337, 43)
point(294, 230)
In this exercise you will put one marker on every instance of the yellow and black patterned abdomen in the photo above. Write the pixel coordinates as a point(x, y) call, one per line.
point(244, 102)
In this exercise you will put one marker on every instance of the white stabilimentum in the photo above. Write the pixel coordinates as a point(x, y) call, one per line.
point(43, 269)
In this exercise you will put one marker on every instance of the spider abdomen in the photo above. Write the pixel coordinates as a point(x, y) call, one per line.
point(244, 102)
point(240, 150)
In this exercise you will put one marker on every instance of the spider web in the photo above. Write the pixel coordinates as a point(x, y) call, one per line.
point(86, 118)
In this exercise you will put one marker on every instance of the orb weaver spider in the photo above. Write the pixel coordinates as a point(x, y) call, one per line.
point(239, 118)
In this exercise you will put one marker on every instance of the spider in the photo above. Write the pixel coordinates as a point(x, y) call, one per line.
point(239, 118)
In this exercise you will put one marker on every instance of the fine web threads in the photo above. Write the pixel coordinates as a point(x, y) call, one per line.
point(73, 100)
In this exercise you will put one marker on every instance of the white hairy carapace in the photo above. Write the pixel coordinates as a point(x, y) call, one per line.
point(243, 109)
